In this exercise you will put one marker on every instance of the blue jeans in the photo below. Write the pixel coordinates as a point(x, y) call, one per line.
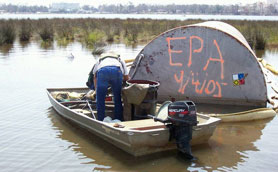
point(109, 76)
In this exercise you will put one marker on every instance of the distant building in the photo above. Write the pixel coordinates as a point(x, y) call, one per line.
point(64, 7)
point(272, 1)
point(273, 4)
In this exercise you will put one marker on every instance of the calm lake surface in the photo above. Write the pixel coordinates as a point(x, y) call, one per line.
point(139, 16)
point(33, 137)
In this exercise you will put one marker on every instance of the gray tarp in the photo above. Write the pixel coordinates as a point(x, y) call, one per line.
point(133, 94)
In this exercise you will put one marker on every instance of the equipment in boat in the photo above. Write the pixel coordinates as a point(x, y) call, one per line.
point(91, 110)
point(180, 120)
point(140, 99)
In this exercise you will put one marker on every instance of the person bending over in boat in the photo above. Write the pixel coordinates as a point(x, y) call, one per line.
point(109, 70)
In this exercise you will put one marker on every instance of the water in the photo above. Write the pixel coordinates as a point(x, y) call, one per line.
point(34, 138)
point(139, 16)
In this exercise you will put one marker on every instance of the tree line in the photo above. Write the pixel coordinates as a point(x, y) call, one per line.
point(253, 9)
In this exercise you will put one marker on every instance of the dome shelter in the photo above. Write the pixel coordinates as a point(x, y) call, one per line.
point(209, 62)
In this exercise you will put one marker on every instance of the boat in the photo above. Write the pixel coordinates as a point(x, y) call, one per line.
point(249, 115)
point(136, 137)
point(232, 113)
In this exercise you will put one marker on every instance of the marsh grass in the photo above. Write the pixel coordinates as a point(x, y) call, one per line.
point(46, 34)
point(64, 32)
point(95, 41)
point(46, 31)
point(7, 32)
point(95, 38)
point(259, 34)
point(248, 34)
point(96, 33)
point(25, 31)
point(260, 41)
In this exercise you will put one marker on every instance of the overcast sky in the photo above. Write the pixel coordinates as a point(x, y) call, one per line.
point(135, 2)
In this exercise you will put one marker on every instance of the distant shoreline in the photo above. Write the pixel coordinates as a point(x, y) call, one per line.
point(162, 16)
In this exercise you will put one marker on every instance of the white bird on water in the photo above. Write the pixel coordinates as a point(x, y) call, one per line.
point(71, 56)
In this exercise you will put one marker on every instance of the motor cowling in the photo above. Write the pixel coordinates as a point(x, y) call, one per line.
point(182, 113)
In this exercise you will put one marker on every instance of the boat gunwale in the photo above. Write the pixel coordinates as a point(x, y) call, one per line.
point(209, 120)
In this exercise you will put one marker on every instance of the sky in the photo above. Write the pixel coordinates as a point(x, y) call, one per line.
point(135, 2)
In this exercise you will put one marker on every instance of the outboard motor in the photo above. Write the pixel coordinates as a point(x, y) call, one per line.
point(182, 116)
point(180, 120)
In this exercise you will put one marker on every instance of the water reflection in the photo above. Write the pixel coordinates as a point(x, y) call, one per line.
point(99, 151)
point(63, 43)
point(264, 53)
point(260, 53)
point(6, 48)
point(229, 144)
point(273, 50)
point(80, 139)
point(24, 44)
point(47, 45)
point(224, 151)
